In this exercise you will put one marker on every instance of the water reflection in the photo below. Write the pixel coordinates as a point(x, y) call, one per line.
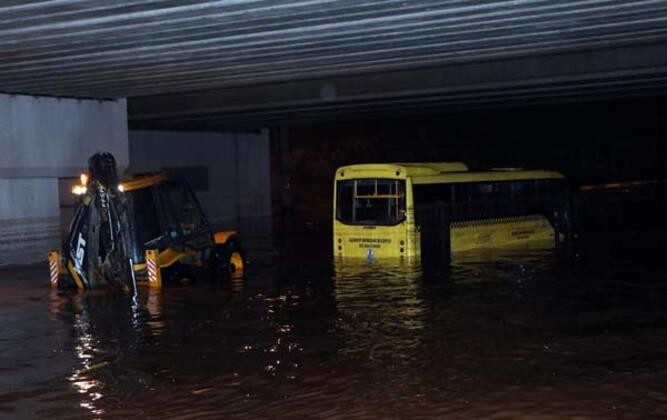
point(81, 381)
point(98, 341)
point(154, 307)
point(378, 302)
point(511, 333)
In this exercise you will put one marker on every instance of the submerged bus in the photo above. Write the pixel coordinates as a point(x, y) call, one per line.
point(436, 210)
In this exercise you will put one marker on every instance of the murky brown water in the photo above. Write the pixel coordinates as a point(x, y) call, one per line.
point(527, 335)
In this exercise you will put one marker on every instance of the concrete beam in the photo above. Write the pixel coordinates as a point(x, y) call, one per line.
point(549, 77)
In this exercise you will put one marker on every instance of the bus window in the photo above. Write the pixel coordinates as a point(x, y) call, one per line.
point(511, 198)
point(371, 201)
point(481, 203)
point(461, 205)
point(432, 193)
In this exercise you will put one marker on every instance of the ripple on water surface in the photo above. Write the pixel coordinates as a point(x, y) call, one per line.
point(510, 334)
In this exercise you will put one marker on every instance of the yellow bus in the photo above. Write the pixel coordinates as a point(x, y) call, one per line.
point(412, 210)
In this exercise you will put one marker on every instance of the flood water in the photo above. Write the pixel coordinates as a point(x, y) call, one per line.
point(515, 334)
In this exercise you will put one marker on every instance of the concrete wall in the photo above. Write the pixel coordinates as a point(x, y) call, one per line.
point(53, 137)
point(43, 139)
point(239, 193)
point(29, 225)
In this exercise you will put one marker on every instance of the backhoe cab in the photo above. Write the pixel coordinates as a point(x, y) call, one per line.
point(145, 230)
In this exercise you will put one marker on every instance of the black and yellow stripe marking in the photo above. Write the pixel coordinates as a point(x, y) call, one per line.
point(75, 276)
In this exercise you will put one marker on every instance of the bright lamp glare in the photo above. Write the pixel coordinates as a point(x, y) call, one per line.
point(79, 189)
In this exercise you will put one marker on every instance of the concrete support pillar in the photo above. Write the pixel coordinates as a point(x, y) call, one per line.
point(43, 139)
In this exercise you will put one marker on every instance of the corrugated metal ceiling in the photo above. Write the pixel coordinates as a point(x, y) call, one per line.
point(128, 48)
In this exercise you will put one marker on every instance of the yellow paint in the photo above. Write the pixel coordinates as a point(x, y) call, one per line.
point(370, 241)
point(143, 181)
point(55, 268)
point(404, 240)
point(75, 275)
point(153, 269)
point(170, 256)
point(222, 236)
point(398, 170)
point(237, 261)
point(493, 233)
point(130, 185)
point(437, 173)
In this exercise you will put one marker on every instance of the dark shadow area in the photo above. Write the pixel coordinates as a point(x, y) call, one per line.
point(591, 143)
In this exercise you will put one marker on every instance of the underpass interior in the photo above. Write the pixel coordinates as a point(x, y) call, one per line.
point(256, 104)
point(594, 143)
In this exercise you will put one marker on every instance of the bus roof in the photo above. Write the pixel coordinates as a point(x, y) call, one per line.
point(404, 169)
point(439, 172)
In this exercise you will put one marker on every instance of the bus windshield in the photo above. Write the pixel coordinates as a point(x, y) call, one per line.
point(370, 201)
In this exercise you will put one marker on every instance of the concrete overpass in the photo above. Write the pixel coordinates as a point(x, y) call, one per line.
point(259, 62)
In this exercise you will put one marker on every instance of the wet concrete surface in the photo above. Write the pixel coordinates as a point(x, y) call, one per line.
point(532, 334)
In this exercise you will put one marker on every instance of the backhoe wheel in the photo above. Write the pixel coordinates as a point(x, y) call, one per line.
point(227, 260)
